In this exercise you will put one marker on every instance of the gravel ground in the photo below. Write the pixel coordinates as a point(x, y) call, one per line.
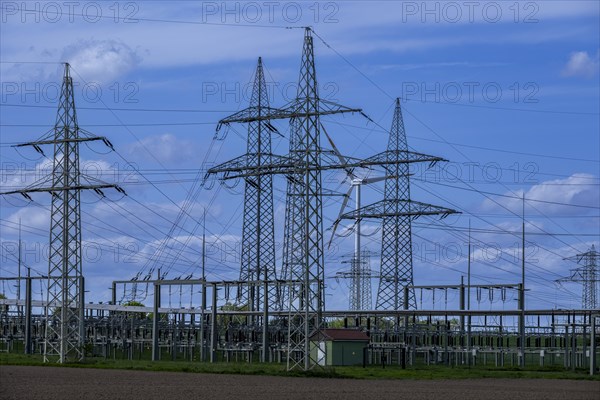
point(18, 382)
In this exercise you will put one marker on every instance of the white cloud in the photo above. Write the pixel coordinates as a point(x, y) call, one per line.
point(33, 219)
point(19, 175)
point(358, 31)
point(553, 197)
point(581, 64)
point(165, 148)
point(101, 61)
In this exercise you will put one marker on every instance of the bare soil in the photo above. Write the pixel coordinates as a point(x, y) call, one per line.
point(24, 382)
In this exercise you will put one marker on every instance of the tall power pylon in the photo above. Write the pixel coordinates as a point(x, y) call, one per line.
point(258, 236)
point(65, 296)
point(303, 241)
point(258, 233)
point(588, 275)
point(396, 211)
point(303, 261)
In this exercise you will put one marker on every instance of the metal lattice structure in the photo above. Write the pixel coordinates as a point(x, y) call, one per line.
point(293, 209)
point(258, 232)
point(65, 235)
point(65, 294)
point(396, 211)
point(303, 259)
point(361, 285)
point(589, 277)
point(360, 274)
point(396, 241)
point(258, 235)
point(304, 239)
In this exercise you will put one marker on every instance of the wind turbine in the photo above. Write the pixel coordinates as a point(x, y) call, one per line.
point(355, 184)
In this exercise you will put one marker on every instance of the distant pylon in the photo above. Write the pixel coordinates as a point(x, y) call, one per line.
point(362, 284)
point(588, 275)
point(65, 296)
point(360, 274)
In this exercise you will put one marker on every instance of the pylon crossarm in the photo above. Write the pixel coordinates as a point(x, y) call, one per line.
point(288, 165)
point(245, 167)
point(72, 140)
point(253, 114)
point(576, 276)
point(392, 157)
point(65, 188)
point(297, 108)
point(397, 208)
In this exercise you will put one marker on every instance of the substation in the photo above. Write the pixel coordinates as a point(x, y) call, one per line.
point(278, 315)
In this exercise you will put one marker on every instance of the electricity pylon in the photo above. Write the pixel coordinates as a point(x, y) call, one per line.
point(396, 211)
point(303, 240)
point(64, 338)
point(303, 260)
point(258, 237)
point(588, 275)
point(360, 274)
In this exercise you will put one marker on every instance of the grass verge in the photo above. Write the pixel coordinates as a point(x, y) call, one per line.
point(273, 369)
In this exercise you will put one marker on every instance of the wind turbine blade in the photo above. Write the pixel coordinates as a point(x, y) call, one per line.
point(366, 181)
point(345, 201)
point(335, 225)
point(339, 155)
point(342, 209)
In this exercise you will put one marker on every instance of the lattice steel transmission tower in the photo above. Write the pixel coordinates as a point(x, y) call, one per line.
point(303, 241)
point(258, 233)
point(588, 275)
point(361, 286)
point(65, 297)
point(258, 236)
point(303, 261)
point(396, 211)
point(360, 274)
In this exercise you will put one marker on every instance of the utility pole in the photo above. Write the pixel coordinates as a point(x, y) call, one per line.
point(28, 294)
point(203, 304)
point(357, 266)
point(469, 321)
point(19, 273)
point(522, 291)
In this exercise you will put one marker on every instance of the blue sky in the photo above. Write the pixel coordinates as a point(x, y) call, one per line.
point(507, 91)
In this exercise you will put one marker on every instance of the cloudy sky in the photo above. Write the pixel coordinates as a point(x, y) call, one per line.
point(508, 92)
